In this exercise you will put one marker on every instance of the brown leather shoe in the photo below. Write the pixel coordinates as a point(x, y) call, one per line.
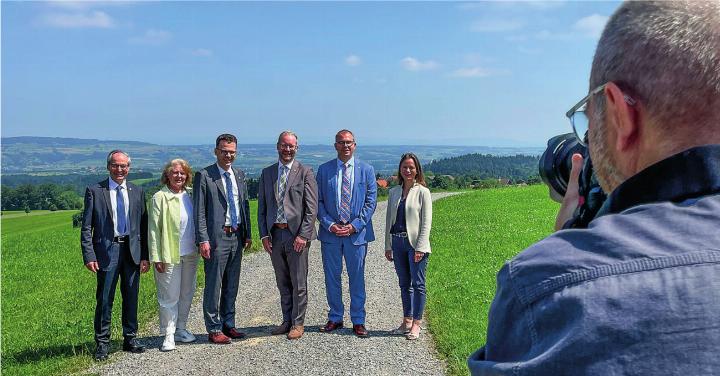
point(360, 330)
point(233, 333)
point(283, 328)
point(296, 332)
point(219, 338)
point(331, 325)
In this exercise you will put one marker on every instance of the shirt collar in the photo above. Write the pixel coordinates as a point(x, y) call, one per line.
point(222, 171)
point(350, 162)
point(113, 185)
point(289, 165)
point(692, 173)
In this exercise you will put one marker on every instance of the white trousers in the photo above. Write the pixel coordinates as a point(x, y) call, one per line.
point(175, 290)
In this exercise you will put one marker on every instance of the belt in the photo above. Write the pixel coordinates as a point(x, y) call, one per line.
point(400, 234)
point(229, 230)
point(121, 239)
point(281, 226)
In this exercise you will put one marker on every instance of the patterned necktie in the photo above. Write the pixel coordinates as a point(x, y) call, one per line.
point(280, 218)
point(231, 201)
point(120, 203)
point(345, 196)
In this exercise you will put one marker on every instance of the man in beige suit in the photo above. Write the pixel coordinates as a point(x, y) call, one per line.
point(287, 209)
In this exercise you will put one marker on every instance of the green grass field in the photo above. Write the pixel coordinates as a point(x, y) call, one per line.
point(48, 297)
point(473, 234)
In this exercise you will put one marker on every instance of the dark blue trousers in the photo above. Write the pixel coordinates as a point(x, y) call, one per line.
point(125, 269)
point(411, 277)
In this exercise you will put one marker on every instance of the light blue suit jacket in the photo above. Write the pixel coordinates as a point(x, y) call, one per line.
point(362, 203)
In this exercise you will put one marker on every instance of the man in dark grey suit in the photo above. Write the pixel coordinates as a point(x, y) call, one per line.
point(113, 239)
point(287, 209)
point(222, 230)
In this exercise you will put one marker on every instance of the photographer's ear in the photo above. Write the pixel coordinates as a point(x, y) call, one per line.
point(624, 129)
point(624, 119)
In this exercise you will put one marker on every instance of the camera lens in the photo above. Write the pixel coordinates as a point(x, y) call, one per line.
point(556, 162)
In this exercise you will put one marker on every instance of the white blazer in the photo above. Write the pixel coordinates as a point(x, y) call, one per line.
point(418, 216)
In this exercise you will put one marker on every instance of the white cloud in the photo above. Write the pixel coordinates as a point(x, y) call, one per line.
point(414, 65)
point(550, 35)
point(353, 60)
point(82, 5)
point(496, 25)
point(203, 52)
point(470, 72)
point(93, 19)
point(592, 25)
point(152, 36)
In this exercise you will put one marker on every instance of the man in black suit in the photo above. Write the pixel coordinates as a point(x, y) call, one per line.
point(114, 245)
point(222, 230)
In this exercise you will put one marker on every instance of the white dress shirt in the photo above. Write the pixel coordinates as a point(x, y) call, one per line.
point(113, 202)
point(235, 194)
point(351, 167)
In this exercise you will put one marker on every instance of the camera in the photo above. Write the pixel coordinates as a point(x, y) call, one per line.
point(555, 166)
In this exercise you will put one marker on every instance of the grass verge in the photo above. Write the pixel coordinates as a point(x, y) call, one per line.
point(473, 234)
point(48, 297)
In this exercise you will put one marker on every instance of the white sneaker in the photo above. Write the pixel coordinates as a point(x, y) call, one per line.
point(168, 343)
point(182, 335)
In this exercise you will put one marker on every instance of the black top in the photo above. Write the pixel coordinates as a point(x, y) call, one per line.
point(399, 225)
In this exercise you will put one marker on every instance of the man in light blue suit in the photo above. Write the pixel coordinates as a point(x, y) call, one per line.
point(347, 196)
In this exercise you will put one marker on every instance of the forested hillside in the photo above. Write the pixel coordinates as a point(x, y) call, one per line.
point(486, 166)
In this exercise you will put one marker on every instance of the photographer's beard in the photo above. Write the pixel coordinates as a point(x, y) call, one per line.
point(607, 174)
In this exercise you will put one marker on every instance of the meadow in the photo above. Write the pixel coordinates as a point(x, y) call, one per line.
point(48, 297)
point(473, 234)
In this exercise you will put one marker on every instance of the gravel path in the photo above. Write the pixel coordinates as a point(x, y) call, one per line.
point(258, 310)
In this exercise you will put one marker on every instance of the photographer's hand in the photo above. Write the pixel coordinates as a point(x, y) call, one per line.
point(572, 196)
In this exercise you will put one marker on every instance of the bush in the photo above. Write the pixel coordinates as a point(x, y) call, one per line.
point(77, 219)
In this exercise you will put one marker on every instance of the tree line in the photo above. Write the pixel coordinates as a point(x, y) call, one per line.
point(45, 196)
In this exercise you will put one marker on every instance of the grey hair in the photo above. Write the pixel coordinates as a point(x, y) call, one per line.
point(288, 133)
point(116, 151)
point(666, 54)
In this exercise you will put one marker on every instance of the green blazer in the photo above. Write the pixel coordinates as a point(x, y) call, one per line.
point(164, 227)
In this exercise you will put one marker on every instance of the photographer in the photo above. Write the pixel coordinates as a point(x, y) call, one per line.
point(638, 291)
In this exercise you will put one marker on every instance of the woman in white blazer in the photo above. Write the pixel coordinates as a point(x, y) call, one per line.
point(407, 240)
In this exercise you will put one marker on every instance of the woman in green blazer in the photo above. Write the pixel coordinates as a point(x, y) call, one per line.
point(174, 252)
point(407, 240)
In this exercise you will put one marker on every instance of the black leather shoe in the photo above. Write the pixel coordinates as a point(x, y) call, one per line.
point(101, 351)
point(132, 345)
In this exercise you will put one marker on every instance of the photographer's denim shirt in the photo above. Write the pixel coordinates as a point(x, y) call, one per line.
point(636, 293)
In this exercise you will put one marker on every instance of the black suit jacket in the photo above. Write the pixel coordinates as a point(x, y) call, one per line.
point(210, 205)
point(98, 228)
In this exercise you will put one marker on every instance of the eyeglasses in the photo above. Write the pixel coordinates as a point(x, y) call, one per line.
point(578, 114)
point(345, 143)
point(226, 152)
point(286, 147)
point(119, 166)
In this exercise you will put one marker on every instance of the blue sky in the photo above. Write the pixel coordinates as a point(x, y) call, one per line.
point(432, 73)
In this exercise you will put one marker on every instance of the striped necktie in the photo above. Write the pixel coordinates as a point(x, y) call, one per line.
point(280, 217)
point(345, 196)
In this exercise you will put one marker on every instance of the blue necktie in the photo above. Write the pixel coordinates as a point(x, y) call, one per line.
point(122, 221)
point(345, 196)
point(231, 201)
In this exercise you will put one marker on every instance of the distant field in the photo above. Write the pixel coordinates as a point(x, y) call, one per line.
point(21, 213)
point(48, 297)
point(473, 234)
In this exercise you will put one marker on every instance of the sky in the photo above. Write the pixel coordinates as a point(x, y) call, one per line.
point(395, 73)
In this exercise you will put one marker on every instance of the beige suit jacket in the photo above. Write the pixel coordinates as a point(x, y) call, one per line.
point(418, 216)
